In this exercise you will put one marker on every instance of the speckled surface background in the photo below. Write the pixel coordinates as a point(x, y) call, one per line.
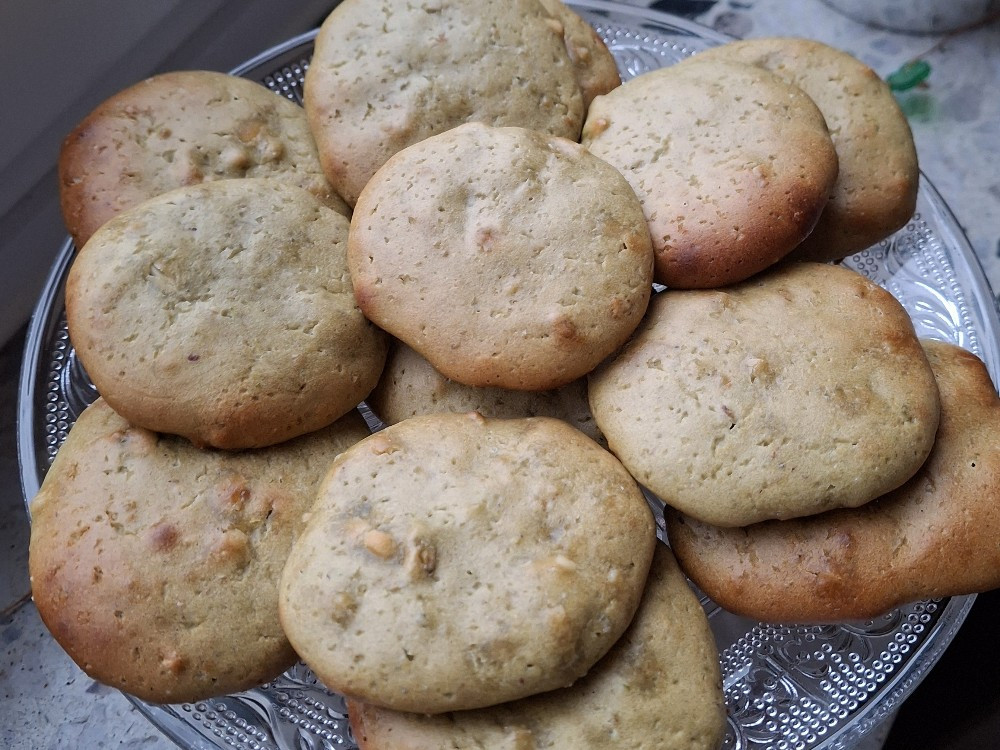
point(47, 702)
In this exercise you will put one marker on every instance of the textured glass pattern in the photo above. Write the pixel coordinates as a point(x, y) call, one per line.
point(786, 686)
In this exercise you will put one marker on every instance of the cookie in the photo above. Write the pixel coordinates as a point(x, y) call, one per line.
point(733, 166)
point(386, 74)
point(410, 387)
point(876, 189)
point(155, 565)
point(223, 312)
point(933, 537)
point(659, 687)
point(182, 128)
point(798, 391)
point(505, 257)
point(596, 70)
point(454, 562)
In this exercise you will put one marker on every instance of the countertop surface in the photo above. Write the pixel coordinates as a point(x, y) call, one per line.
point(47, 702)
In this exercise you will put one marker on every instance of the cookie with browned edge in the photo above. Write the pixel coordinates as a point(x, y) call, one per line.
point(504, 256)
point(386, 74)
point(454, 562)
point(183, 128)
point(876, 189)
point(733, 166)
point(155, 564)
point(797, 391)
point(933, 537)
point(224, 312)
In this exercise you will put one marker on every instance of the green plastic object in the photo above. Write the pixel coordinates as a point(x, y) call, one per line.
point(909, 75)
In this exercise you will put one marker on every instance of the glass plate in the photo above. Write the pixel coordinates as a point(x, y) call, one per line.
point(786, 686)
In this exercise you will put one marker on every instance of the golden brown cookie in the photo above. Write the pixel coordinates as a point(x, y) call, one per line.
point(876, 189)
point(795, 392)
point(659, 688)
point(386, 74)
point(733, 166)
point(224, 312)
point(934, 536)
point(455, 562)
point(183, 128)
point(504, 256)
point(156, 564)
point(410, 386)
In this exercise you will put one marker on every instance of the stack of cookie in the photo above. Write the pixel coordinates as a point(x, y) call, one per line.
point(223, 305)
point(756, 151)
point(428, 234)
point(935, 535)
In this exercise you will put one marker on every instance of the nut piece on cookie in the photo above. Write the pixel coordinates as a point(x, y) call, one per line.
point(155, 564)
point(797, 391)
point(454, 562)
point(386, 74)
point(733, 166)
point(935, 536)
point(876, 189)
point(183, 128)
point(505, 257)
point(659, 686)
point(410, 386)
point(596, 70)
point(224, 313)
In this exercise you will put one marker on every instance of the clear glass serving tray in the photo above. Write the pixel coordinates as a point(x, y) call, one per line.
point(786, 686)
